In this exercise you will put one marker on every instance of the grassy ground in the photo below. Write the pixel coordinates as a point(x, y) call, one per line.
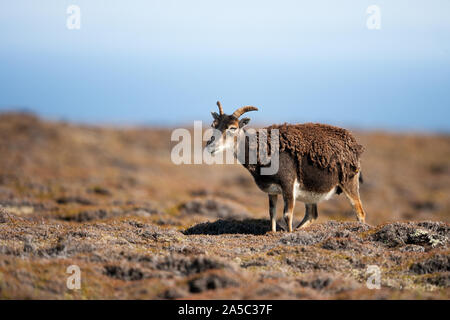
point(110, 201)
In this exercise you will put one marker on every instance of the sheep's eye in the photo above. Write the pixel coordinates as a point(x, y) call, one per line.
point(231, 131)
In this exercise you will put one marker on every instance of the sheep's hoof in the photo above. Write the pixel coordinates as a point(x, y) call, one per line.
point(303, 224)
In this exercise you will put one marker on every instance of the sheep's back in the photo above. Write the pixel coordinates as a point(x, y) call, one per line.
point(325, 146)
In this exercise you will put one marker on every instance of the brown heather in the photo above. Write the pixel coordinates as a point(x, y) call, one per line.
point(110, 201)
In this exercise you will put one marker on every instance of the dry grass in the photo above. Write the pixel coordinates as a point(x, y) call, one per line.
point(110, 201)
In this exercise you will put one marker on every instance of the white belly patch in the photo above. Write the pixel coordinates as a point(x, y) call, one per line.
point(309, 196)
point(301, 194)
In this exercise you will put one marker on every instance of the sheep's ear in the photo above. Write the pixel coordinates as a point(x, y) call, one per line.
point(215, 115)
point(243, 122)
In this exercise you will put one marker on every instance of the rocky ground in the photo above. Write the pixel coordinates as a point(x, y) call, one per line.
point(110, 201)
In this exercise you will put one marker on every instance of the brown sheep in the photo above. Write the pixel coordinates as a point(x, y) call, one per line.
point(315, 161)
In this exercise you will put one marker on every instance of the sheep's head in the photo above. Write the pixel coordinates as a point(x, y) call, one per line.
point(227, 128)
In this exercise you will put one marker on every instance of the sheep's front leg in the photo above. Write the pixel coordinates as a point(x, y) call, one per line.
point(273, 211)
point(289, 203)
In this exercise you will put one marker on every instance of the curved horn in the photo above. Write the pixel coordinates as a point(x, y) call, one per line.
point(220, 107)
point(239, 112)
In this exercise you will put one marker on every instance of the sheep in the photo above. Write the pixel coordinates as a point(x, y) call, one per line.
point(316, 161)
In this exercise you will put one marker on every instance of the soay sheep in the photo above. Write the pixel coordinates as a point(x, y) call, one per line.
point(315, 162)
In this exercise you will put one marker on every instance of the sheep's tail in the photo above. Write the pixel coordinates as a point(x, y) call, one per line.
point(361, 180)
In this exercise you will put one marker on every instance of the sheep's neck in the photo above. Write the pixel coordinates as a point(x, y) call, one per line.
point(252, 168)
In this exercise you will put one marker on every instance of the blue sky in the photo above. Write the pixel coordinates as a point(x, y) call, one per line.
point(167, 62)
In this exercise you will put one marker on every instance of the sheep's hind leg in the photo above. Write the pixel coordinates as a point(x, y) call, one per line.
point(311, 214)
point(273, 211)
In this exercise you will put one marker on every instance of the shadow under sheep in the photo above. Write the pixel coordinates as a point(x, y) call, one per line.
point(231, 226)
point(234, 226)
